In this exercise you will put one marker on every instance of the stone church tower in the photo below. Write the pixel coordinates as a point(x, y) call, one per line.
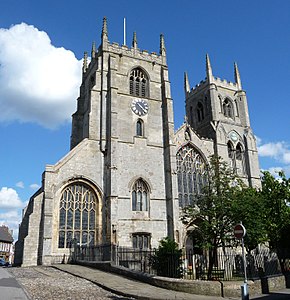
point(128, 173)
point(218, 110)
point(116, 184)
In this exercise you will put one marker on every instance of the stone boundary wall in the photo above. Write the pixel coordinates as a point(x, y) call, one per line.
point(199, 287)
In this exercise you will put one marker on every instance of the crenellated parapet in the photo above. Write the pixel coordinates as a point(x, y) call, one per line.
point(123, 51)
point(217, 82)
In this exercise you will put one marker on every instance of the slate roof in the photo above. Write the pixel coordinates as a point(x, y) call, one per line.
point(5, 235)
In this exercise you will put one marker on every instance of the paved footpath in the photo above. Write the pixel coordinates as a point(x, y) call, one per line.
point(139, 290)
point(129, 287)
point(279, 295)
point(10, 289)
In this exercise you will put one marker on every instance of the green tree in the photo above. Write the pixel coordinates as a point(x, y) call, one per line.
point(212, 212)
point(276, 195)
point(167, 259)
point(249, 208)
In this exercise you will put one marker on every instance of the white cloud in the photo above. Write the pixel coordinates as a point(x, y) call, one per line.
point(34, 186)
point(279, 151)
point(275, 170)
point(12, 219)
point(258, 140)
point(38, 81)
point(9, 198)
point(20, 184)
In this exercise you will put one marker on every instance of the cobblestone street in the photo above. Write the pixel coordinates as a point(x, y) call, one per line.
point(48, 283)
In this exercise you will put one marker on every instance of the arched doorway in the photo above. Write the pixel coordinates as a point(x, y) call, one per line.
point(193, 242)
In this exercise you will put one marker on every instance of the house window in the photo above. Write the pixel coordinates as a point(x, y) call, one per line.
point(140, 196)
point(141, 240)
point(77, 216)
point(139, 84)
point(228, 109)
point(191, 175)
point(139, 128)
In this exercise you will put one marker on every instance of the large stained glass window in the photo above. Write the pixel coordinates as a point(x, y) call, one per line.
point(77, 216)
point(191, 175)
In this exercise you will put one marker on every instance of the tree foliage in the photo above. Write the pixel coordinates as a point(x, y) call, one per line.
point(276, 196)
point(167, 259)
point(248, 207)
point(226, 201)
point(212, 210)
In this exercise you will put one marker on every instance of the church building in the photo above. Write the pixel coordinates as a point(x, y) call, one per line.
point(128, 173)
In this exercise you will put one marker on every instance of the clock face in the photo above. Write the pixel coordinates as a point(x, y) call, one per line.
point(233, 136)
point(140, 107)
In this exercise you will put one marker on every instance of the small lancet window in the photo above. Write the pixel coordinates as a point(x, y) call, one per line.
point(140, 196)
point(230, 150)
point(228, 108)
point(139, 83)
point(200, 112)
point(237, 107)
point(239, 152)
point(139, 128)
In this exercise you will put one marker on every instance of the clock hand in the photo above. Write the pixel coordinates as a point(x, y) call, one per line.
point(143, 109)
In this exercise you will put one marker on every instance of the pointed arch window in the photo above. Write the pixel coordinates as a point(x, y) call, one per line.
point(228, 108)
point(240, 161)
point(77, 216)
point(139, 83)
point(191, 175)
point(139, 128)
point(231, 154)
point(237, 107)
point(200, 112)
point(236, 157)
point(239, 152)
point(140, 196)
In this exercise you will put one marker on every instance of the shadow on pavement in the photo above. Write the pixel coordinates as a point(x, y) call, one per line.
point(273, 296)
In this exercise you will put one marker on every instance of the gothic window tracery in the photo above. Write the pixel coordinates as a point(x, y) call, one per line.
point(191, 175)
point(77, 216)
point(140, 195)
point(228, 108)
point(236, 156)
point(139, 83)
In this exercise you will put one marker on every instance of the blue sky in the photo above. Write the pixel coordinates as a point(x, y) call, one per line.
point(42, 45)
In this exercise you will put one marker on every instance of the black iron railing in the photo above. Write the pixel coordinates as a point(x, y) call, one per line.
point(227, 266)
